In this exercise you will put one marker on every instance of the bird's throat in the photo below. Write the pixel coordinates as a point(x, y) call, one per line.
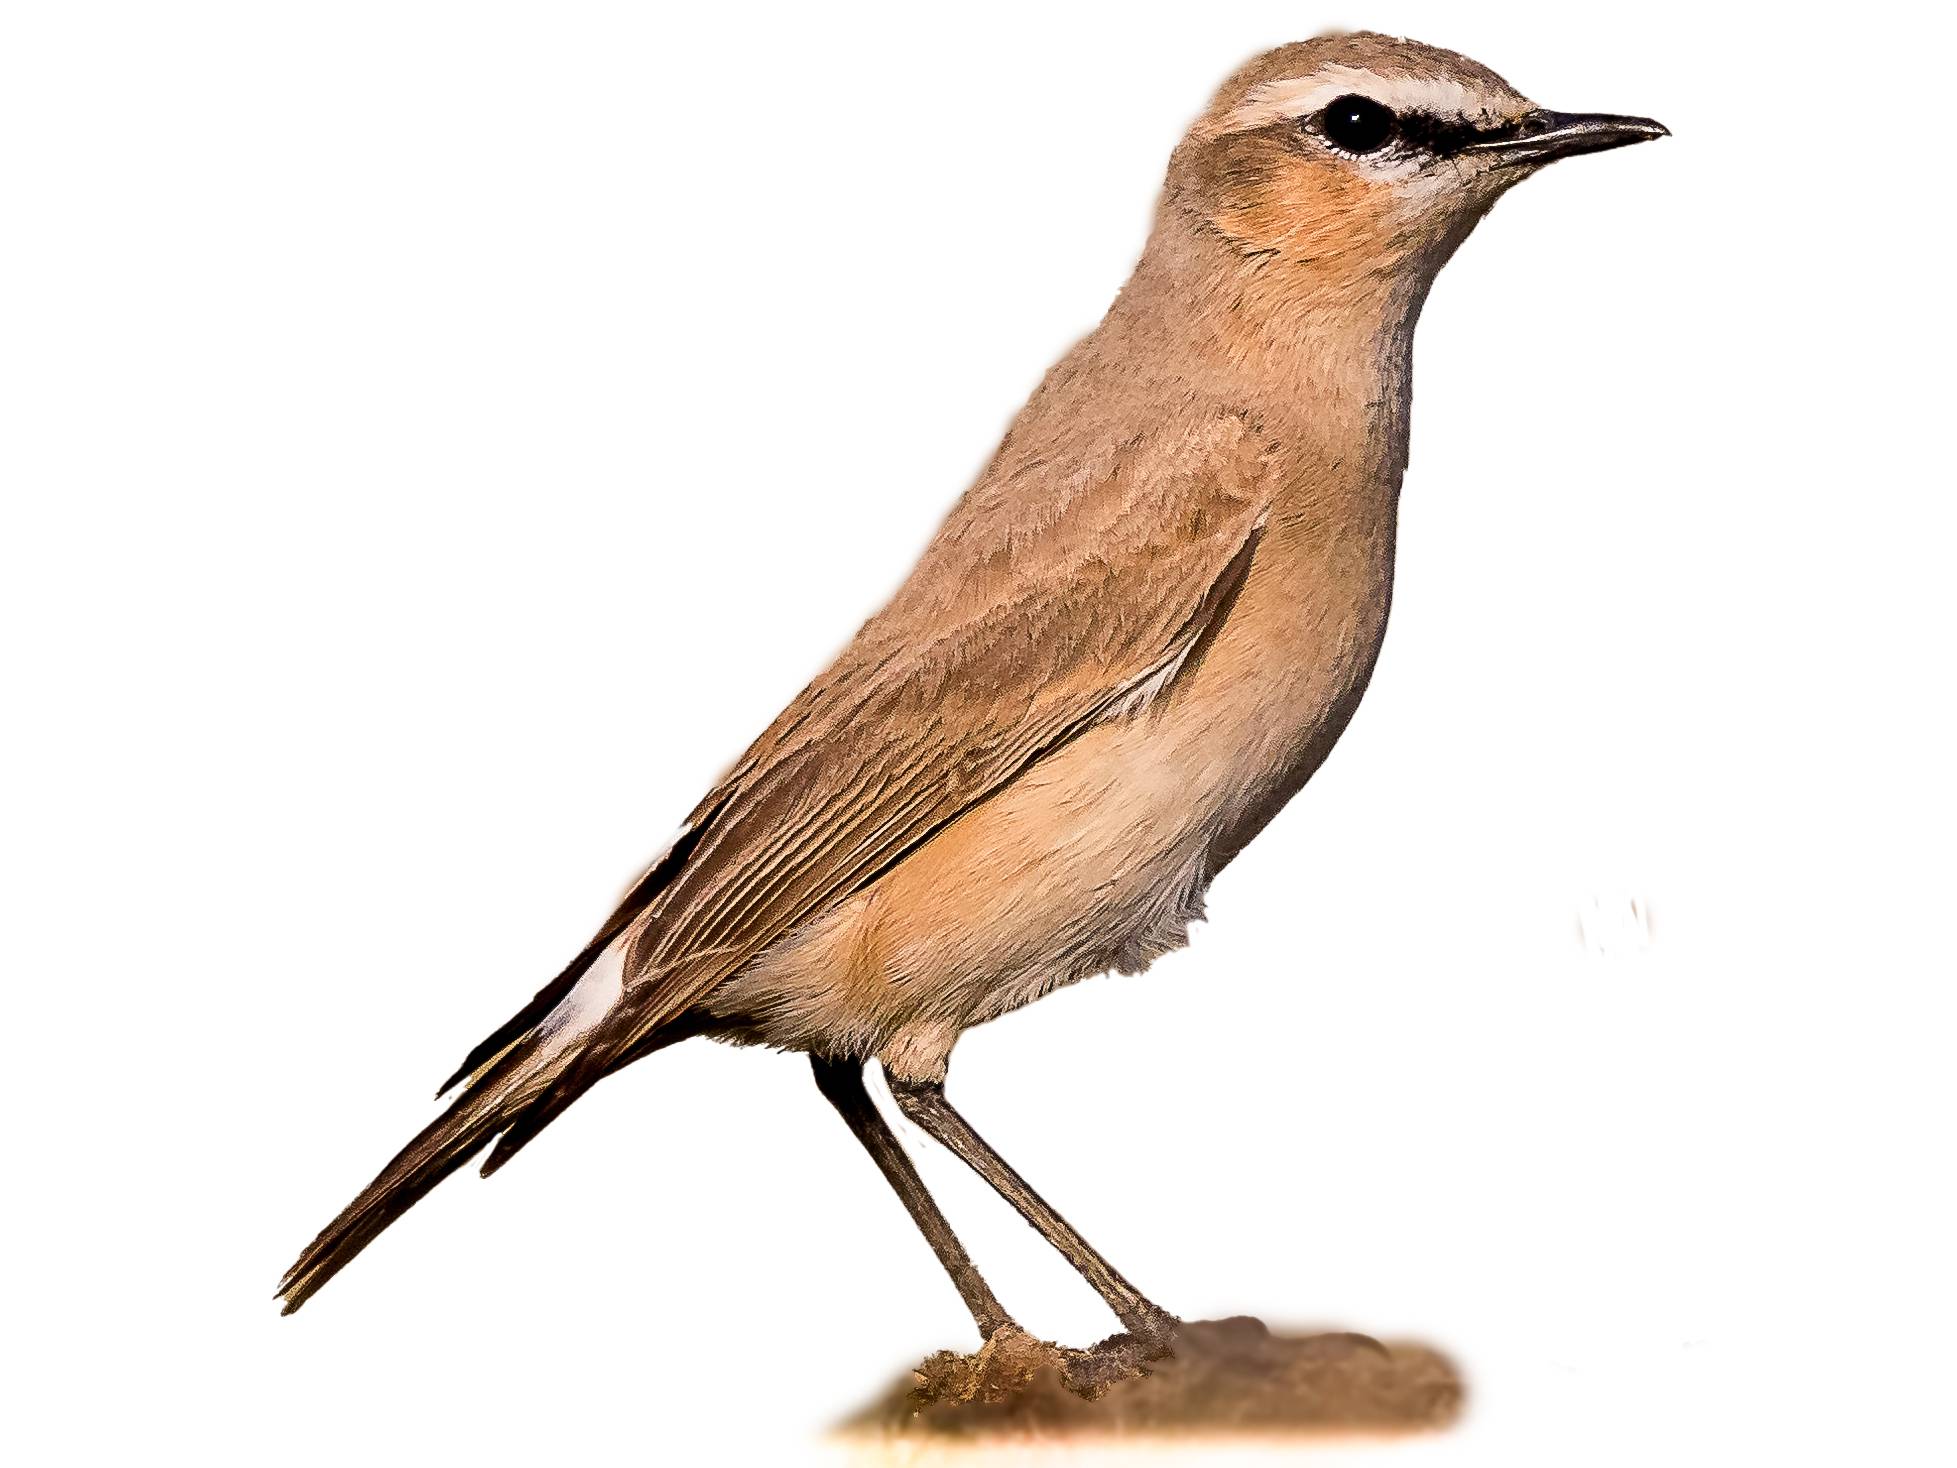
point(1310, 339)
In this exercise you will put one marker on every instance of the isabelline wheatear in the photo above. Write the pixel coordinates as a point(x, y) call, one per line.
point(1132, 641)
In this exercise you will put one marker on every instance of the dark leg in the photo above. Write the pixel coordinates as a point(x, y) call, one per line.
point(925, 1104)
point(842, 1083)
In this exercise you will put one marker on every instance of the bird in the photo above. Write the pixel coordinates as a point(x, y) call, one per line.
point(1130, 643)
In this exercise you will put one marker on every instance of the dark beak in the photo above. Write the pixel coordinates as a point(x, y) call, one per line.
point(1542, 136)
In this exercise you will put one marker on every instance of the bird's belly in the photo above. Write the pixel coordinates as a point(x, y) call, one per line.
point(1092, 860)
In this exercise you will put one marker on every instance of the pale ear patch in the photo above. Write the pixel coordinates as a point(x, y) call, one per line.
point(1295, 97)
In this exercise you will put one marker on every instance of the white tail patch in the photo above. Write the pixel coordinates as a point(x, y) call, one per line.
point(592, 997)
point(601, 986)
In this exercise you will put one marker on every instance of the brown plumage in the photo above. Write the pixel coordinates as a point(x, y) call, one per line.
point(1132, 640)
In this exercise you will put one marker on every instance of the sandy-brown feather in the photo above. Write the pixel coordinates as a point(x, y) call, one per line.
point(1014, 633)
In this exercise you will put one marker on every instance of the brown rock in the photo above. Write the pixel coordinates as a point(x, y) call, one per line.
point(1219, 1377)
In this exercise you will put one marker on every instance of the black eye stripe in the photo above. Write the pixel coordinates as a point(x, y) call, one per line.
point(1445, 136)
point(1361, 126)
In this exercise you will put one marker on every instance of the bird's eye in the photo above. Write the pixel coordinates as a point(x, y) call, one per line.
point(1357, 124)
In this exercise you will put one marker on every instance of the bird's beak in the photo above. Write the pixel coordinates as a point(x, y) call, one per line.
point(1542, 136)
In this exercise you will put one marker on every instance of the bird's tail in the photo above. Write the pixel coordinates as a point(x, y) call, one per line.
point(486, 1106)
point(514, 1075)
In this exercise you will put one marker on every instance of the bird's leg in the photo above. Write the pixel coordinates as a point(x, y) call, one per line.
point(925, 1104)
point(842, 1082)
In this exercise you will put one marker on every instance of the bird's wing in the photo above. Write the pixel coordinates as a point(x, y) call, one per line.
point(1046, 603)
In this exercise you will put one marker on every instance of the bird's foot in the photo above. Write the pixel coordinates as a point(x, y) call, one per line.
point(1006, 1367)
point(1091, 1372)
point(997, 1372)
point(1154, 1328)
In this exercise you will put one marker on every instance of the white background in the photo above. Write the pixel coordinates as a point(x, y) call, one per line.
point(437, 438)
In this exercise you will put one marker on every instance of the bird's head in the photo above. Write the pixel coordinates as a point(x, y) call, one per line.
point(1364, 157)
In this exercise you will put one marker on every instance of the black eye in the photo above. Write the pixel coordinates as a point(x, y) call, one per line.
point(1357, 124)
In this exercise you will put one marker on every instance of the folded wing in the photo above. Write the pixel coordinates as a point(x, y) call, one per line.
point(1046, 603)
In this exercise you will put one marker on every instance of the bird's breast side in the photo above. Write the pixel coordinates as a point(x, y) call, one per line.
point(1297, 668)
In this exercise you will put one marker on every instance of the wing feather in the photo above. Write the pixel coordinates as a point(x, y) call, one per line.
point(1042, 606)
